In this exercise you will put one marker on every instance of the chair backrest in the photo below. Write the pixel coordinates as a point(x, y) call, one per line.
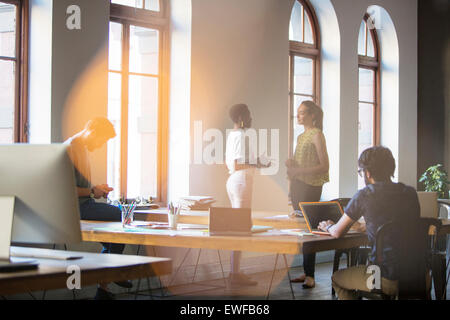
point(411, 249)
point(342, 201)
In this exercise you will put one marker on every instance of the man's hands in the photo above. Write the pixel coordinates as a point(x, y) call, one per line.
point(101, 190)
point(324, 225)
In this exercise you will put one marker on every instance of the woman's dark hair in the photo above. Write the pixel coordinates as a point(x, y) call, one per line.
point(379, 162)
point(239, 112)
point(316, 111)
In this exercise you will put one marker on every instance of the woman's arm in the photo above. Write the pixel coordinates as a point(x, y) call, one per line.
point(242, 166)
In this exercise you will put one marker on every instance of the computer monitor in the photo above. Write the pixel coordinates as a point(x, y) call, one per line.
point(38, 182)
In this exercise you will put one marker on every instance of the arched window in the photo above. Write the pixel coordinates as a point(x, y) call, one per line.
point(13, 70)
point(137, 96)
point(304, 63)
point(369, 87)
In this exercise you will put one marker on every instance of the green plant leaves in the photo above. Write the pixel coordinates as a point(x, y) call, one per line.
point(435, 179)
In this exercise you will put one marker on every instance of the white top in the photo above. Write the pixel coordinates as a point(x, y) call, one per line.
point(237, 150)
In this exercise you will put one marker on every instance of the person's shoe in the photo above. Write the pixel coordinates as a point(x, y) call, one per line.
point(125, 284)
point(240, 279)
point(309, 283)
point(103, 295)
point(299, 279)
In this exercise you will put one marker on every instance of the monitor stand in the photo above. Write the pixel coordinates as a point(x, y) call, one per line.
point(6, 216)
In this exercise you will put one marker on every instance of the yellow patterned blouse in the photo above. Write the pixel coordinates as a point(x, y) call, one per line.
point(306, 156)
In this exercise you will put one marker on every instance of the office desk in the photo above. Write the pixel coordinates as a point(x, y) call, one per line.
point(267, 218)
point(94, 268)
point(260, 242)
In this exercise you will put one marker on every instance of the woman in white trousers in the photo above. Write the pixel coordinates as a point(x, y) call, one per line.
point(241, 161)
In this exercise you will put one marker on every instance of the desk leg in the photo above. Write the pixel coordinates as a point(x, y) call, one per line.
point(179, 268)
point(289, 276)
point(159, 278)
point(221, 267)
point(271, 279)
point(150, 292)
point(196, 265)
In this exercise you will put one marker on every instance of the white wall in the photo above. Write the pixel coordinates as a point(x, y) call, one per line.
point(68, 72)
point(180, 96)
point(40, 76)
point(240, 54)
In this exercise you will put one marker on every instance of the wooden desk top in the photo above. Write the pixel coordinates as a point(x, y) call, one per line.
point(271, 241)
point(265, 218)
point(94, 268)
point(268, 218)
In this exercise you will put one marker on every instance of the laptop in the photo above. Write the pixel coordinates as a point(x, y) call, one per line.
point(428, 204)
point(316, 212)
point(232, 221)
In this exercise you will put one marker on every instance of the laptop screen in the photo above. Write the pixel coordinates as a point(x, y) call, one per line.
point(230, 220)
point(316, 212)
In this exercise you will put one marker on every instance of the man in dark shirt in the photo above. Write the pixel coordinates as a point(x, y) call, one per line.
point(379, 202)
point(95, 134)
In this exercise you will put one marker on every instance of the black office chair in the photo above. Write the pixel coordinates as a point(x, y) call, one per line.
point(414, 250)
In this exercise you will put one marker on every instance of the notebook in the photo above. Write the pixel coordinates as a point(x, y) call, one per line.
point(316, 212)
point(232, 221)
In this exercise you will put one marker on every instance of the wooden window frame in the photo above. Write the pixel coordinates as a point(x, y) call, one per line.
point(305, 50)
point(373, 63)
point(21, 76)
point(158, 20)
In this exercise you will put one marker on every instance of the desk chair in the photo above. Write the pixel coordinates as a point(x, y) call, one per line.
point(354, 255)
point(415, 255)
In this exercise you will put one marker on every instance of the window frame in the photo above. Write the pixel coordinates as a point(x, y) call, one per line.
point(158, 20)
point(21, 127)
point(304, 50)
point(372, 63)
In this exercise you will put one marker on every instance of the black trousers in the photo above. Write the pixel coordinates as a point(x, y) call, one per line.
point(303, 192)
point(91, 210)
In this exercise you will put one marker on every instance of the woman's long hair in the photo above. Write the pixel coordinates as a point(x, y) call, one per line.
point(316, 111)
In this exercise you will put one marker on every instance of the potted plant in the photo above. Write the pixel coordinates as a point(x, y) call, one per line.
point(435, 179)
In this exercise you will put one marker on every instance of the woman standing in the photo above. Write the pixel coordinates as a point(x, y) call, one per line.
point(241, 161)
point(308, 171)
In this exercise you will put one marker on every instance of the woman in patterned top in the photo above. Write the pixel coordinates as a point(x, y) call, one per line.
point(308, 171)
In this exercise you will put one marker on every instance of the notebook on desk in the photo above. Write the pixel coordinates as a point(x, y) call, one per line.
point(316, 212)
point(232, 222)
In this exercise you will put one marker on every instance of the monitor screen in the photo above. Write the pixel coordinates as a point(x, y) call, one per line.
point(41, 180)
point(316, 212)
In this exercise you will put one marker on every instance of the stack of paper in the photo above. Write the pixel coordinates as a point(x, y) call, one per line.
point(196, 202)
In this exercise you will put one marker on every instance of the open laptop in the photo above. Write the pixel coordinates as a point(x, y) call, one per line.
point(232, 221)
point(316, 212)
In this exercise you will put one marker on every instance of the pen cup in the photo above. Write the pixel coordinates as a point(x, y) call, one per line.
point(127, 214)
point(173, 221)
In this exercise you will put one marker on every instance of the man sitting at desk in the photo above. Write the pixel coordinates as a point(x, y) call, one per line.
point(94, 135)
point(379, 202)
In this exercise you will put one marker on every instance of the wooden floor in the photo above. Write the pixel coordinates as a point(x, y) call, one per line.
point(214, 289)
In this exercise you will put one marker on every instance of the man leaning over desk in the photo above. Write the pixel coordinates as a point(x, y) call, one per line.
point(379, 202)
point(94, 135)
